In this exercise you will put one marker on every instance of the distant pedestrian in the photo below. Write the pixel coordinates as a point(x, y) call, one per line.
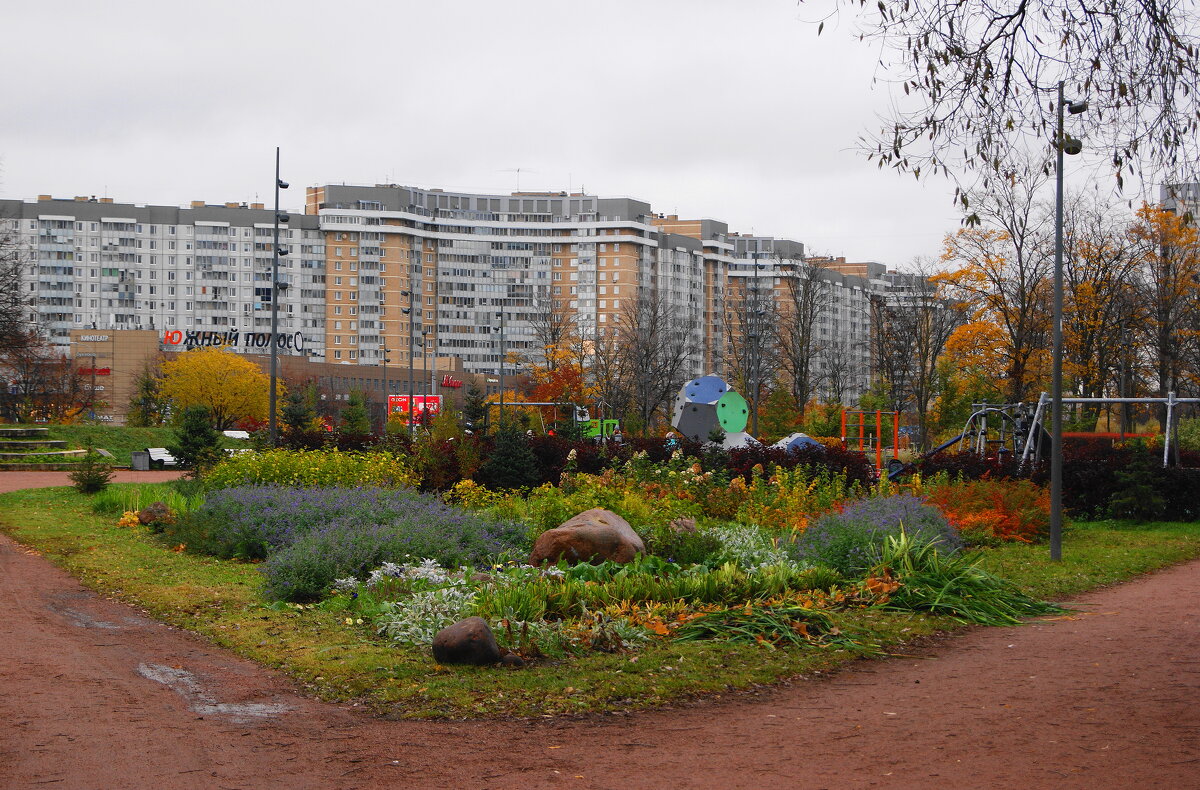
point(672, 441)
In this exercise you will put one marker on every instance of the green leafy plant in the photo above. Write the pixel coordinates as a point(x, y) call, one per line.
point(313, 468)
point(767, 625)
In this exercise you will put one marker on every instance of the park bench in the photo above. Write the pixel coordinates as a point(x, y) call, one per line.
point(159, 457)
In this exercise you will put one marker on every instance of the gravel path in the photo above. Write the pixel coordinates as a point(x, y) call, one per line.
point(93, 694)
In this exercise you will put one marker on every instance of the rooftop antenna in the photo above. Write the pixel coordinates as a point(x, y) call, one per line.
point(517, 171)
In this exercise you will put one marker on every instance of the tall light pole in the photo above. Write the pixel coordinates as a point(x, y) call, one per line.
point(755, 337)
point(1063, 144)
point(387, 409)
point(500, 315)
point(272, 425)
point(409, 312)
point(424, 372)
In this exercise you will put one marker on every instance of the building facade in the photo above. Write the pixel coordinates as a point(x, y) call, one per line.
point(95, 264)
point(429, 280)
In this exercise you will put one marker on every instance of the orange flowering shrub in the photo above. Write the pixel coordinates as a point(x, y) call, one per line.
point(986, 511)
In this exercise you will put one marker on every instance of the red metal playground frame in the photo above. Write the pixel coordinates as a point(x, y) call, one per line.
point(863, 435)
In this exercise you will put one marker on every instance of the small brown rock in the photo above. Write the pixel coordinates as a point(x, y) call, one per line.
point(512, 660)
point(468, 641)
point(156, 515)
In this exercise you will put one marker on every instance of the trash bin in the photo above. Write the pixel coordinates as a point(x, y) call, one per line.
point(140, 461)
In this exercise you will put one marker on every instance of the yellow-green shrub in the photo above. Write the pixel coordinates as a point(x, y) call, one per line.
point(313, 468)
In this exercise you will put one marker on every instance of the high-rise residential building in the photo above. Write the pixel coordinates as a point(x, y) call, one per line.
point(94, 263)
point(1181, 198)
point(433, 271)
point(439, 281)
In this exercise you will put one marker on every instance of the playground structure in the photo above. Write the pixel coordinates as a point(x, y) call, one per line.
point(867, 439)
point(708, 403)
point(578, 413)
point(997, 429)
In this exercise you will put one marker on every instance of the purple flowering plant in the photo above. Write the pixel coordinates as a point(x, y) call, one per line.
point(850, 540)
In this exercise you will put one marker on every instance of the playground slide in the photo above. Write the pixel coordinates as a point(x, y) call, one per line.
point(895, 472)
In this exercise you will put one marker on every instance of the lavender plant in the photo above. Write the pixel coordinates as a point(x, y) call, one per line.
point(311, 537)
point(850, 541)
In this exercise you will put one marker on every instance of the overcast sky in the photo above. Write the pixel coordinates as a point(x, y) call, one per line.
point(736, 111)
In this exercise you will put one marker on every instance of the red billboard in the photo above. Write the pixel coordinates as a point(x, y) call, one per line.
point(422, 405)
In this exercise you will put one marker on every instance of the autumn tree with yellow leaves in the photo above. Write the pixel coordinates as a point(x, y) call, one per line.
point(1168, 250)
point(1102, 305)
point(231, 387)
point(1002, 271)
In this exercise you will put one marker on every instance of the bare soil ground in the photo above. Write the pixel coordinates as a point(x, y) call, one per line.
point(93, 694)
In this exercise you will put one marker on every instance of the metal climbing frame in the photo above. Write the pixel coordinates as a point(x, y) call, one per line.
point(877, 436)
point(1168, 432)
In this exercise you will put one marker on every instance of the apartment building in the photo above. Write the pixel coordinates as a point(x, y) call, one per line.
point(481, 276)
point(198, 274)
point(428, 279)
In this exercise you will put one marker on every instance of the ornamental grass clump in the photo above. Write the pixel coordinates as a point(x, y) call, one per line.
point(931, 580)
point(849, 541)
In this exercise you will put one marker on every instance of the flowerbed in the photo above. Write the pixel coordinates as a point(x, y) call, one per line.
point(759, 552)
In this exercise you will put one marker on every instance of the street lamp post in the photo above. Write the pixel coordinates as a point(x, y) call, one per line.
point(755, 337)
point(272, 425)
point(424, 373)
point(1063, 144)
point(409, 312)
point(387, 410)
point(500, 315)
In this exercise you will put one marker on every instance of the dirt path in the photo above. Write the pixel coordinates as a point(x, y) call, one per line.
point(95, 695)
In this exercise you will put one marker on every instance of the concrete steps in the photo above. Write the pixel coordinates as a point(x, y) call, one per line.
point(31, 445)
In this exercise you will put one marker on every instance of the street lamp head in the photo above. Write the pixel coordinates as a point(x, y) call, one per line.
point(282, 216)
point(405, 310)
point(281, 183)
point(283, 251)
point(1077, 107)
point(1071, 146)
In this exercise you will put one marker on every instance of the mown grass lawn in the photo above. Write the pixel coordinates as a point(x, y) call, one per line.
point(121, 441)
point(335, 660)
